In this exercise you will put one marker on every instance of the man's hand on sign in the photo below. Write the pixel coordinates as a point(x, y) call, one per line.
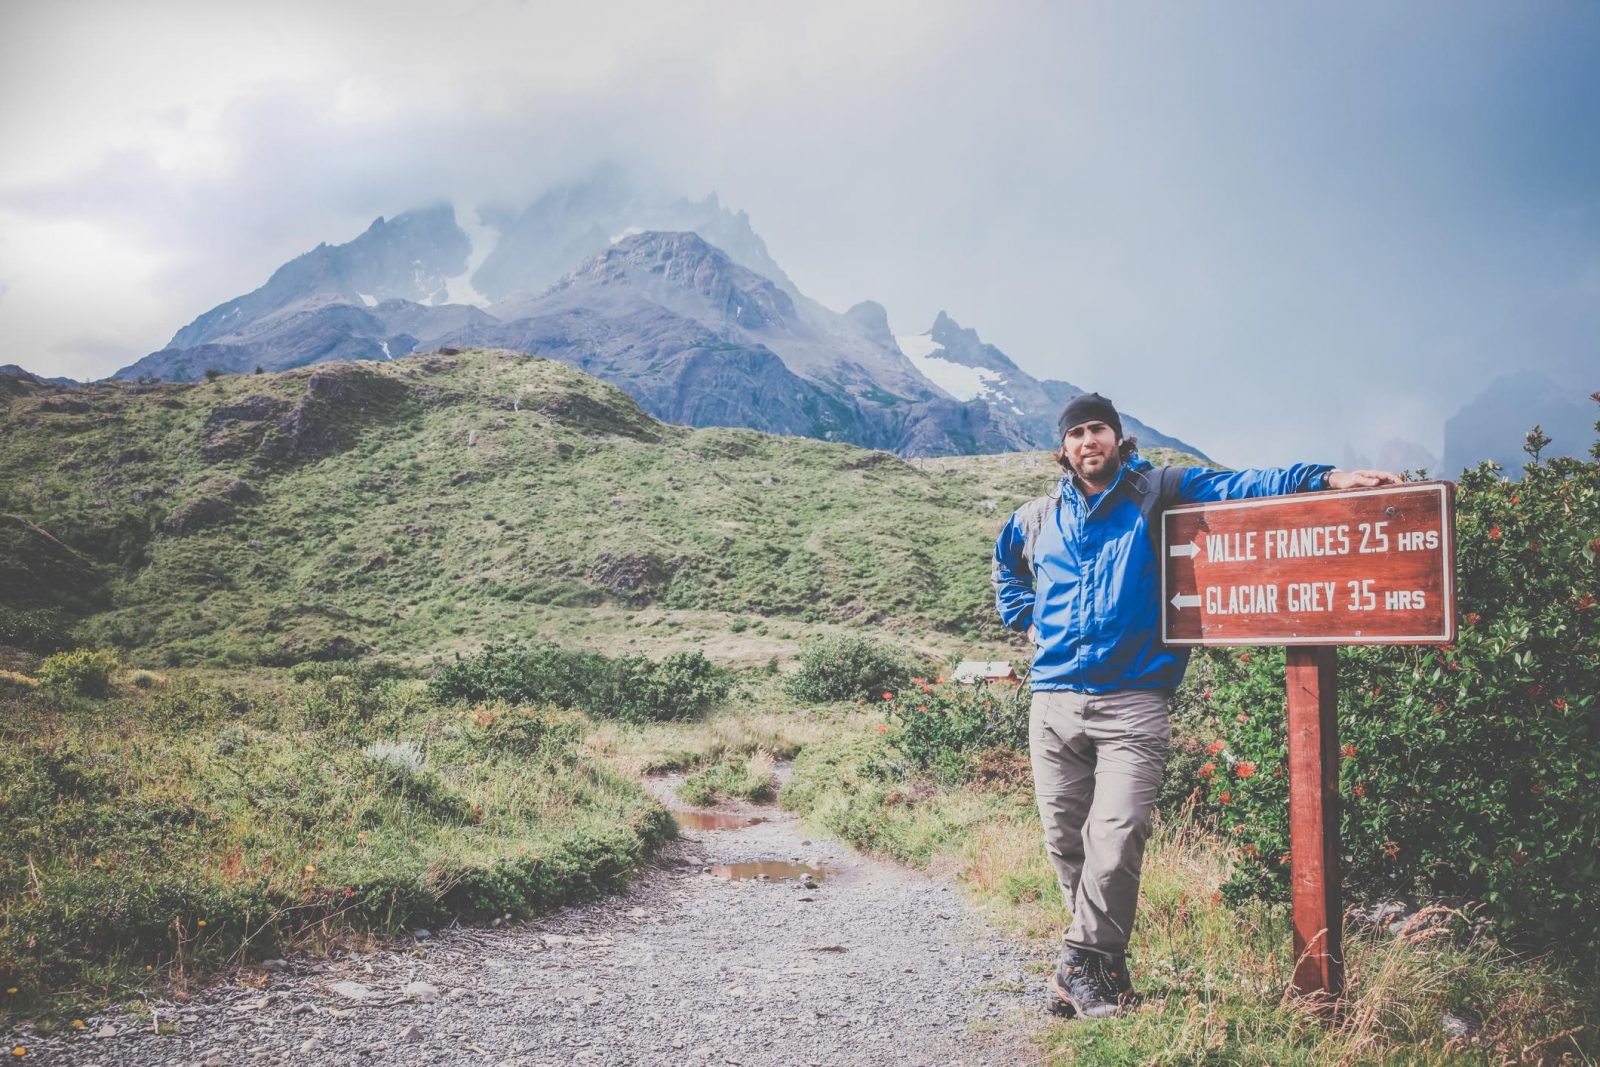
point(1362, 479)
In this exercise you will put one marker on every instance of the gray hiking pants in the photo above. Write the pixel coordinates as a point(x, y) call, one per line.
point(1098, 759)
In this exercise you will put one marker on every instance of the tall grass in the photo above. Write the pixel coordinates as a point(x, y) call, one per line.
point(165, 832)
point(1215, 976)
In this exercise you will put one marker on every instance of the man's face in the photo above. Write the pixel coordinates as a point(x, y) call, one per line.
point(1091, 448)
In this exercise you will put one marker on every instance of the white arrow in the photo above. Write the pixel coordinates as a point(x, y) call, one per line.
point(1180, 601)
point(1188, 548)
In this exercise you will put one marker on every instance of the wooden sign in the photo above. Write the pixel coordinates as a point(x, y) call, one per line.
point(1312, 571)
point(1352, 566)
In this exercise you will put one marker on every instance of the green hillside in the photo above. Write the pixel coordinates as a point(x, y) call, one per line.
point(411, 508)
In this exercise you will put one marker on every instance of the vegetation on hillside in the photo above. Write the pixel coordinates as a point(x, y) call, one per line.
point(433, 502)
point(190, 821)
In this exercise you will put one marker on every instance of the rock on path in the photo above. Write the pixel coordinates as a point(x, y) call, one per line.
point(877, 965)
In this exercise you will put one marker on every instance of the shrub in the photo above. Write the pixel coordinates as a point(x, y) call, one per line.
point(944, 729)
point(847, 668)
point(1468, 771)
point(82, 672)
point(36, 629)
point(682, 686)
point(142, 679)
point(521, 674)
point(632, 688)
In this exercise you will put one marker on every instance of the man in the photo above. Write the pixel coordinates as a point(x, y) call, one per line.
point(1078, 570)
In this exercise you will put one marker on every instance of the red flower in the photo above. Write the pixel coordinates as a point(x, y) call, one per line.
point(1216, 896)
point(1494, 533)
point(1208, 770)
point(1585, 602)
point(1377, 691)
point(1214, 747)
point(1206, 695)
point(938, 681)
point(1283, 860)
point(1244, 769)
point(922, 707)
point(1244, 657)
point(1250, 850)
point(1277, 772)
point(888, 696)
point(1438, 709)
point(1537, 789)
point(1391, 849)
point(1473, 618)
point(1241, 717)
point(1348, 752)
point(920, 681)
point(1360, 790)
point(1225, 798)
point(1559, 704)
point(882, 729)
point(1515, 499)
point(1594, 546)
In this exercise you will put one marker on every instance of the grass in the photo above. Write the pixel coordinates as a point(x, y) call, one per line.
point(759, 719)
point(572, 516)
point(748, 778)
point(1214, 975)
point(167, 831)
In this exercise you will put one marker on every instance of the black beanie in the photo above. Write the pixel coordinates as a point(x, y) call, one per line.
point(1081, 409)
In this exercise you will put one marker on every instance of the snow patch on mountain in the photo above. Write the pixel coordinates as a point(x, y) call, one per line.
point(366, 298)
point(458, 288)
point(959, 380)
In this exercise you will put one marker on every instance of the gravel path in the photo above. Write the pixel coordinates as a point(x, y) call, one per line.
point(876, 965)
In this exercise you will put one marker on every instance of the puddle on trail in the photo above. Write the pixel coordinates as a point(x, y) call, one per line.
point(714, 820)
point(772, 870)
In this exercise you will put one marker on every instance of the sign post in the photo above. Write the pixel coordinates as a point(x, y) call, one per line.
point(1313, 571)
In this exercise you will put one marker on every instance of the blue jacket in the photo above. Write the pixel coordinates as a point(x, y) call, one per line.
point(1085, 581)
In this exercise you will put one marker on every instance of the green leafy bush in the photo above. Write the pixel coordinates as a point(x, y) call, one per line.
point(681, 686)
point(82, 672)
point(847, 668)
point(36, 629)
point(1468, 772)
point(631, 688)
point(944, 729)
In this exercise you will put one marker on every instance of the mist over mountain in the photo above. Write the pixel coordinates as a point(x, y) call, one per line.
point(677, 301)
point(574, 222)
point(1495, 424)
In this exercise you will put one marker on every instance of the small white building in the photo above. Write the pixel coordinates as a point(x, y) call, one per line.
point(973, 671)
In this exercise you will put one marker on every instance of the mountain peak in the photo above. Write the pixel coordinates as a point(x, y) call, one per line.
point(683, 271)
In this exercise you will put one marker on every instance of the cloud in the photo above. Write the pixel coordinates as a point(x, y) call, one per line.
point(1269, 230)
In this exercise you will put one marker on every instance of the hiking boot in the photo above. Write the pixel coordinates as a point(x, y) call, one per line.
point(1093, 983)
point(1117, 970)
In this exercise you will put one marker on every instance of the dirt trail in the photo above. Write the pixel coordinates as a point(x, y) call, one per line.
point(876, 965)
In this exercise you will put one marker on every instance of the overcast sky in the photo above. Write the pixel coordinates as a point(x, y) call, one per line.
point(1273, 229)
